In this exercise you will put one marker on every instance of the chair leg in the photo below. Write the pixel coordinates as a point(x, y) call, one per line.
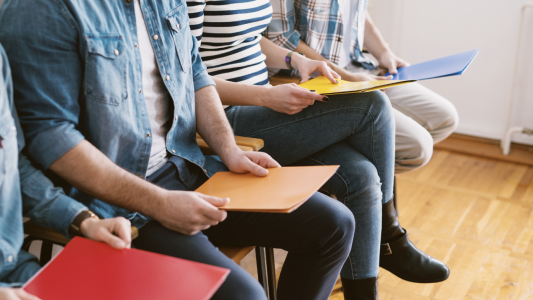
point(394, 197)
point(46, 252)
point(271, 273)
point(262, 268)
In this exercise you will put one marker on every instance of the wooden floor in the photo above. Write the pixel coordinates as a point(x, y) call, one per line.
point(476, 215)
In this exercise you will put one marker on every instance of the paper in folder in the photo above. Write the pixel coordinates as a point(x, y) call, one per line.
point(323, 86)
point(89, 270)
point(282, 191)
point(446, 66)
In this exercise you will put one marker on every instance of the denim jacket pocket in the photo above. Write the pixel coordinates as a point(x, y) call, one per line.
point(178, 22)
point(106, 77)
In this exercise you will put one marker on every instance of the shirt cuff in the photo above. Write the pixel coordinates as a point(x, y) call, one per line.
point(48, 146)
point(68, 209)
point(202, 80)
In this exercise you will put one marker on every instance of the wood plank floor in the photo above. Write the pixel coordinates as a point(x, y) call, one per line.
point(476, 215)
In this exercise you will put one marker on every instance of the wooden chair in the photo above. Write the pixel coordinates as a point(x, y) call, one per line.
point(264, 256)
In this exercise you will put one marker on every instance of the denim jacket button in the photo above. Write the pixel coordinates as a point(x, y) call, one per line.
point(10, 259)
point(167, 78)
point(156, 37)
point(116, 52)
point(178, 26)
point(173, 151)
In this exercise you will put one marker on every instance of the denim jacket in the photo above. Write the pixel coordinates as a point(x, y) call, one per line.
point(45, 204)
point(77, 75)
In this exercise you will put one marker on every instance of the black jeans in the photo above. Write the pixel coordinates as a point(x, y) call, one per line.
point(318, 237)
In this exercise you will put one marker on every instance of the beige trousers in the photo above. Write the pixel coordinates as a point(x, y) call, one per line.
point(423, 118)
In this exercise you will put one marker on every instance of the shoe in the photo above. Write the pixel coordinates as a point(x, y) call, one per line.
point(360, 289)
point(399, 256)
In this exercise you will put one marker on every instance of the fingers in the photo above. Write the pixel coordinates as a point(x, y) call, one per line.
point(263, 159)
point(384, 77)
point(104, 235)
point(123, 230)
point(305, 77)
point(23, 295)
point(326, 71)
point(215, 201)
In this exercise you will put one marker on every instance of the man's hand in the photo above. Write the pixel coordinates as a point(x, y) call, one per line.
point(289, 98)
point(190, 212)
point(15, 294)
point(254, 162)
point(354, 77)
point(104, 230)
point(307, 66)
point(389, 62)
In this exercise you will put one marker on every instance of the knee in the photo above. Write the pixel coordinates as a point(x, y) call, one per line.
point(341, 223)
point(415, 152)
point(446, 123)
point(363, 185)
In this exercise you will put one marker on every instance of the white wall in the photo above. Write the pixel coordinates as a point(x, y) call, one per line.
point(419, 30)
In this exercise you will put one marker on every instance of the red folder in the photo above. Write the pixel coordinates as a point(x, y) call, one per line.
point(89, 270)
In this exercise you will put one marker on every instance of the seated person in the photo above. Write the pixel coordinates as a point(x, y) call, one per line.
point(110, 95)
point(40, 200)
point(355, 131)
point(337, 35)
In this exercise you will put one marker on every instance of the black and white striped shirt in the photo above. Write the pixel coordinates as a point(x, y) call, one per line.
point(228, 32)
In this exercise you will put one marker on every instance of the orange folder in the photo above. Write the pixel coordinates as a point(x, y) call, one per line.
point(281, 191)
point(89, 270)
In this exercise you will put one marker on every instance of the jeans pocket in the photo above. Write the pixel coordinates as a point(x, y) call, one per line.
point(106, 77)
point(178, 22)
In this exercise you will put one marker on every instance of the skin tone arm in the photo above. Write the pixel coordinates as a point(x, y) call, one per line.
point(15, 294)
point(286, 98)
point(377, 46)
point(89, 170)
point(345, 74)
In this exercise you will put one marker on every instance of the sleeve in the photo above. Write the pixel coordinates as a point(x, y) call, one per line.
point(47, 75)
point(195, 9)
point(45, 204)
point(282, 28)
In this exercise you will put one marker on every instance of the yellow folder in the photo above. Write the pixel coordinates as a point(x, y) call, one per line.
point(323, 86)
point(282, 191)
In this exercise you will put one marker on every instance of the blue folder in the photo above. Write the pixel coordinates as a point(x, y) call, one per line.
point(446, 66)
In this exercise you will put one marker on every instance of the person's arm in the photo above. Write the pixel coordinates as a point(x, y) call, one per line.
point(376, 45)
point(212, 124)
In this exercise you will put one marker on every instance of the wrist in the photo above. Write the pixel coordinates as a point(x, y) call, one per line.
point(85, 224)
point(297, 60)
point(263, 95)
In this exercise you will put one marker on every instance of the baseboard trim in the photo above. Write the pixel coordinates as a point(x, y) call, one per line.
point(489, 148)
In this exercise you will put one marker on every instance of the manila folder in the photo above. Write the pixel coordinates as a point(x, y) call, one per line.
point(282, 190)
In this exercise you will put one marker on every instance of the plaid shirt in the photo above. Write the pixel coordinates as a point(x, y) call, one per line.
point(319, 24)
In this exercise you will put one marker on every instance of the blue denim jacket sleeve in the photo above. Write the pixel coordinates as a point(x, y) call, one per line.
point(47, 93)
point(200, 76)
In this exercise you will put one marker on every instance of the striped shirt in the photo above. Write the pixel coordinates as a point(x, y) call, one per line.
point(228, 33)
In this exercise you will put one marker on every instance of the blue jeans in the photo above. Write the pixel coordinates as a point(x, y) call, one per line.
point(355, 131)
point(317, 236)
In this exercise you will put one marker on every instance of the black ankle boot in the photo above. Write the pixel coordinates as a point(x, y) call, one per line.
point(400, 257)
point(360, 289)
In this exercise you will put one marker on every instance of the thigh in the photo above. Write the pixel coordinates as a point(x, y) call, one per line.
point(289, 138)
point(427, 108)
point(240, 284)
point(318, 221)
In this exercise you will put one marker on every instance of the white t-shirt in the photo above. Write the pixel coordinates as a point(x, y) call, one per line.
point(156, 96)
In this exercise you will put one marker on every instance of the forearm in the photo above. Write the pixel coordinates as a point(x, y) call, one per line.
point(241, 94)
point(374, 42)
point(212, 124)
point(312, 54)
point(89, 170)
point(275, 55)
